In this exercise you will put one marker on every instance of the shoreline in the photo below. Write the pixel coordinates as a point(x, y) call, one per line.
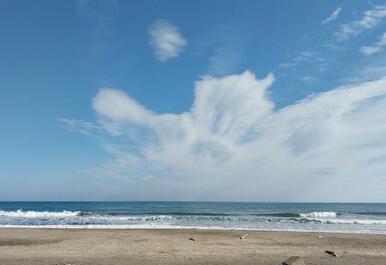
point(121, 227)
point(28, 246)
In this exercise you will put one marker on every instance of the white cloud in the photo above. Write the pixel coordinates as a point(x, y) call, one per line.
point(166, 40)
point(370, 19)
point(376, 47)
point(334, 15)
point(234, 145)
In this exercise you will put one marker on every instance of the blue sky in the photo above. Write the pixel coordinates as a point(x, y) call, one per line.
point(112, 100)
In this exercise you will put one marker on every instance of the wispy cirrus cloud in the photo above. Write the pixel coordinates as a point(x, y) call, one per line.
point(333, 16)
point(84, 127)
point(369, 19)
point(100, 17)
point(166, 40)
point(225, 60)
point(301, 57)
point(376, 47)
point(313, 62)
point(234, 145)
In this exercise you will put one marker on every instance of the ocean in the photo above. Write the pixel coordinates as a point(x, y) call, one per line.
point(320, 217)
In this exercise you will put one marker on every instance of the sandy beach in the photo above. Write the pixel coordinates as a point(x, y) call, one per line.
point(54, 246)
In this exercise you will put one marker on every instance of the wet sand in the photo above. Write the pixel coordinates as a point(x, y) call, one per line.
point(107, 247)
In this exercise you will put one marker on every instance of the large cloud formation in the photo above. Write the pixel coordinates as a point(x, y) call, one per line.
point(234, 145)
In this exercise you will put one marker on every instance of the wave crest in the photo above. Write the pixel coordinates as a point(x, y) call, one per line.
point(42, 214)
point(319, 215)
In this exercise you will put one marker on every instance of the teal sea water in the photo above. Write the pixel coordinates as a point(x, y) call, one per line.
point(322, 217)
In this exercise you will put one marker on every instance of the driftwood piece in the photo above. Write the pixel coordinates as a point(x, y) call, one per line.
point(331, 252)
point(243, 236)
point(294, 260)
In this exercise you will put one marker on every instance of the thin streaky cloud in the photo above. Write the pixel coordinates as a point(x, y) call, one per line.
point(369, 19)
point(376, 47)
point(301, 57)
point(225, 61)
point(83, 127)
point(311, 58)
point(166, 40)
point(334, 16)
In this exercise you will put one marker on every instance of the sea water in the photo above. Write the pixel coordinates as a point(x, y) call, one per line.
point(320, 217)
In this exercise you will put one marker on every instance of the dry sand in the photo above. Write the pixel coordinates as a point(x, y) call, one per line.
point(108, 247)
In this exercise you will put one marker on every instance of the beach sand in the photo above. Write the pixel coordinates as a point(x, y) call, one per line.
point(108, 247)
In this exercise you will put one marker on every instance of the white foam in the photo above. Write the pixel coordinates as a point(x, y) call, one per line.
point(318, 215)
point(34, 214)
point(352, 221)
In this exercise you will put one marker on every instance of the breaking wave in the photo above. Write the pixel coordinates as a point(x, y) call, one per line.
point(36, 214)
point(286, 221)
point(319, 215)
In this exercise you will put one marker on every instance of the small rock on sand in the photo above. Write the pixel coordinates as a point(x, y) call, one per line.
point(294, 260)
